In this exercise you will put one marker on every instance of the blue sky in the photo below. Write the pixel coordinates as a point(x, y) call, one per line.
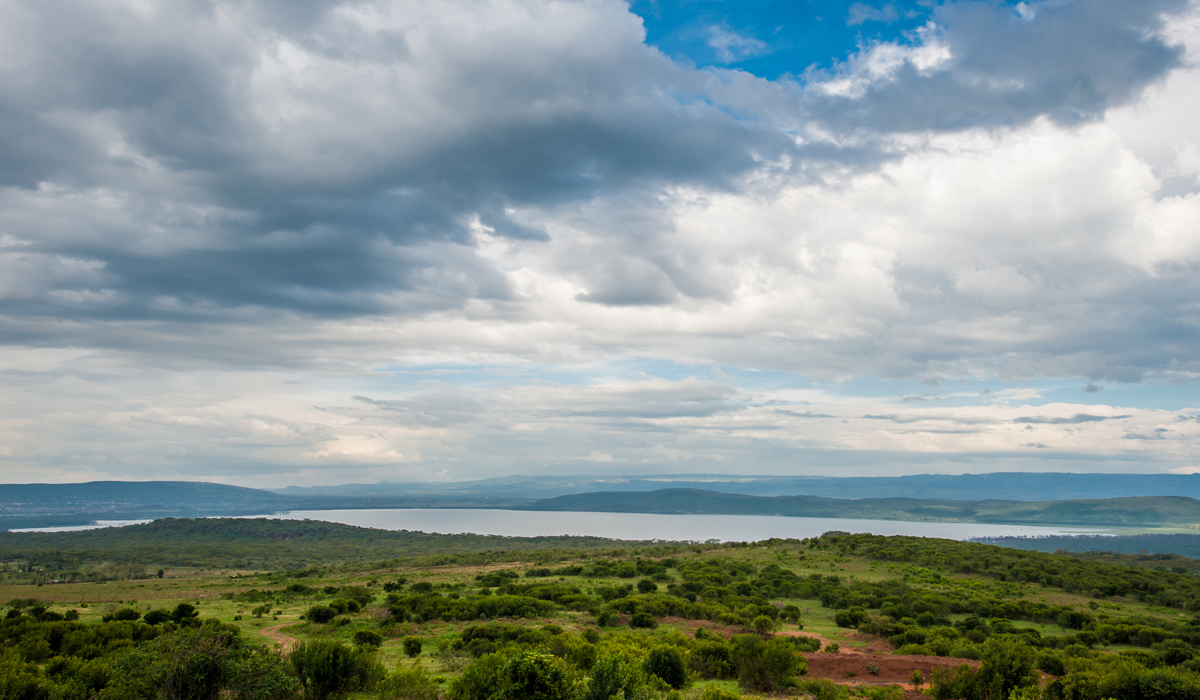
point(775, 39)
point(273, 243)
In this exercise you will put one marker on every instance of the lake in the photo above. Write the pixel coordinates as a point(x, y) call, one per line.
point(648, 526)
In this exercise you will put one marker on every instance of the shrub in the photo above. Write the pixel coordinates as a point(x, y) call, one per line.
point(412, 646)
point(320, 614)
point(823, 689)
point(646, 586)
point(616, 673)
point(200, 663)
point(667, 663)
point(713, 692)
point(765, 666)
point(367, 638)
point(763, 624)
point(408, 684)
point(643, 620)
point(328, 668)
point(852, 617)
point(1007, 666)
point(126, 615)
point(185, 613)
point(522, 675)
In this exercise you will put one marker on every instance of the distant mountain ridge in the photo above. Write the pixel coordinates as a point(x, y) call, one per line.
point(1114, 512)
point(1010, 486)
point(929, 497)
point(121, 496)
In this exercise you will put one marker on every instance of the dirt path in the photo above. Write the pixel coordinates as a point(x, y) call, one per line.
point(275, 634)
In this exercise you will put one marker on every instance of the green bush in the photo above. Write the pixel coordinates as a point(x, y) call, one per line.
point(765, 666)
point(823, 689)
point(413, 683)
point(521, 675)
point(320, 614)
point(616, 672)
point(200, 663)
point(1008, 665)
point(126, 615)
point(368, 638)
point(412, 646)
point(667, 663)
point(643, 620)
point(763, 624)
point(327, 668)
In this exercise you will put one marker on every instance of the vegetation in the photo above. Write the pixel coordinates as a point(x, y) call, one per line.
point(1153, 547)
point(254, 544)
point(1107, 512)
point(668, 622)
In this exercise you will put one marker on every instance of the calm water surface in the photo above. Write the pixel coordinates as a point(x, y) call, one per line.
point(647, 526)
point(76, 528)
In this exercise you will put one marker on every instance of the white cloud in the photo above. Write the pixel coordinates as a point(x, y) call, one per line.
point(215, 202)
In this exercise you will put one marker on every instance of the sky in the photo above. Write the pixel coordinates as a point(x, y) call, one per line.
point(303, 242)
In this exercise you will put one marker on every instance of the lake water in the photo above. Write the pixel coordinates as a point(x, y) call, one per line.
point(76, 528)
point(648, 526)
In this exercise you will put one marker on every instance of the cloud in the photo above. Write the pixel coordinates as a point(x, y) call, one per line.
point(1071, 420)
point(732, 47)
point(861, 13)
point(200, 203)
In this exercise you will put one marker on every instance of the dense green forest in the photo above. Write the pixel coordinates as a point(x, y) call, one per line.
point(1108, 513)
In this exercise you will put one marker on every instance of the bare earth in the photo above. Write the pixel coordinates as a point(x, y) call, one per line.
point(275, 634)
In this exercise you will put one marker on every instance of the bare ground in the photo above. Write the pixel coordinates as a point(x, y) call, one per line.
point(275, 634)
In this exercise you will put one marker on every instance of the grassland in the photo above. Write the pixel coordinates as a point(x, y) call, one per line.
point(1052, 603)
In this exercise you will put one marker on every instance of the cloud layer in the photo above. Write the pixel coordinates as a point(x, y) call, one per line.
point(200, 202)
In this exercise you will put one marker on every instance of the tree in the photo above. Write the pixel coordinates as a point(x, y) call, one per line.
point(185, 614)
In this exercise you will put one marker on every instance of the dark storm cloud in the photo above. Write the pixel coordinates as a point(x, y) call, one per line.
point(327, 215)
point(178, 90)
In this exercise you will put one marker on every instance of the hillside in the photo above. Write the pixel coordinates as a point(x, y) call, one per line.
point(258, 543)
point(1010, 486)
point(1114, 512)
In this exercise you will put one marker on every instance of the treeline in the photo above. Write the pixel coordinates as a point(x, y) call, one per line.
point(1106, 512)
point(231, 543)
point(1182, 545)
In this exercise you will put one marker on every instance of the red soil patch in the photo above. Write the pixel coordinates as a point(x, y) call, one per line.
point(893, 669)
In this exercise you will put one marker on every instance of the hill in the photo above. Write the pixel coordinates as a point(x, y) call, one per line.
point(1142, 511)
point(258, 543)
point(1010, 486)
